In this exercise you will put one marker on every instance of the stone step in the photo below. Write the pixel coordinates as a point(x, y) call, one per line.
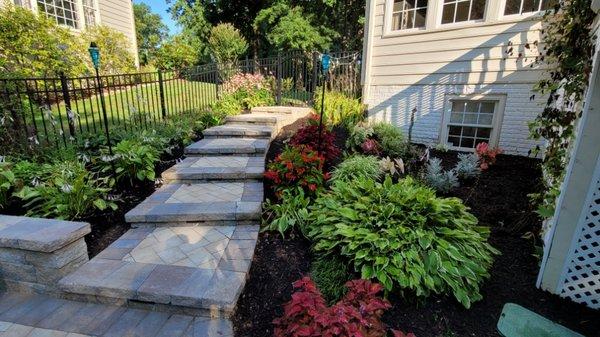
point(197, 203)
point(229, 146)
point(196, 270)
point(239, 130)
point(195, 169)
point(257, 119)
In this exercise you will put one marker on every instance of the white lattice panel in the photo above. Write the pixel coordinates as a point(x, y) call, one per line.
point(581, 281)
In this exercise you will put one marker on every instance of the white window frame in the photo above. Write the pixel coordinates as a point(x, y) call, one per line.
point(388, 19)
point(500, 103)
point(540, 12)
point(460, 23)
point(80, 24)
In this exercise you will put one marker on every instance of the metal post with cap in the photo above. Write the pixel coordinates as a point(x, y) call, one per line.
point(325, 63)
point(95, 56)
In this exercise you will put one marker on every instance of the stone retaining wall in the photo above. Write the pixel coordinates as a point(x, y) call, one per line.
point(36, 253)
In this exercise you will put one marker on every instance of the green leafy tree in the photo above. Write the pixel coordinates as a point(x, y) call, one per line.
point(177, 53)
point(226, 43)
point(191, 16)
point(150, 31)
point(115, 50)
point(34, 46)
point(290, 28)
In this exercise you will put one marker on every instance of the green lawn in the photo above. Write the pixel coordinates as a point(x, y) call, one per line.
point(139, 104)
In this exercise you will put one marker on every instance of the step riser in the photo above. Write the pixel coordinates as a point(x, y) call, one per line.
point(150, 306)
point(196, 179)
point(221, 136)
point(201, 223)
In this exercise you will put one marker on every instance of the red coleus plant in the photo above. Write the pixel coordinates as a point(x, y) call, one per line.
point(487, 155)
point(297, 166)
point(309, 135)
point(358, 314)
point(370, 146)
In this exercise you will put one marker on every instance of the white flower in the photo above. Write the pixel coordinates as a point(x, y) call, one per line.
point(66, 188)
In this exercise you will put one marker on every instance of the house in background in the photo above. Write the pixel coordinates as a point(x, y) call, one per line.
point(79, 14)
point(466, 67)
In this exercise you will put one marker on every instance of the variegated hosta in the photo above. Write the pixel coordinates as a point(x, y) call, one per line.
point(405, 237)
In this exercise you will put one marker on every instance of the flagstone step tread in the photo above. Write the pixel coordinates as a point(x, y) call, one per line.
point(194, 169)
point(200, 267)
point(229, 146)
point(206, 201)
point(239, 130)
point(39, 315)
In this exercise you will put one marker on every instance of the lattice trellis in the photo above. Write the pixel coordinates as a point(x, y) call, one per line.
point(581, 281)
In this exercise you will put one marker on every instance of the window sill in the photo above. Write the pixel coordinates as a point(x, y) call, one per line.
point(465, 25)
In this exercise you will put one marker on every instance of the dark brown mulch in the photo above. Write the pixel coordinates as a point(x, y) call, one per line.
point(107, 227)
point(499, 200)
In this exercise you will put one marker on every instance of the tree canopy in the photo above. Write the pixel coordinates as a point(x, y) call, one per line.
point(150, 31)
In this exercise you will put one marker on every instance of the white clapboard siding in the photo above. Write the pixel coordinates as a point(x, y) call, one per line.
point(118, 15)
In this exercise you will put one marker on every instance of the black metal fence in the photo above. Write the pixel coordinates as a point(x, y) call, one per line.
point(38, 112)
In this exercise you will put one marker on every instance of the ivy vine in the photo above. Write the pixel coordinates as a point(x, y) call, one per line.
point(568, 48)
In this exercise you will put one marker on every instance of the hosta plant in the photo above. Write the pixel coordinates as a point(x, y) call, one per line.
point(7, 181)
point(290, 212)
point(357, 167)
point(358, 314)
point(403, 236)
point(68, 191)
point(297, 167)
point(132, 161)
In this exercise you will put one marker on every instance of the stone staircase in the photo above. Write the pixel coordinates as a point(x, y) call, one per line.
point(193, 240)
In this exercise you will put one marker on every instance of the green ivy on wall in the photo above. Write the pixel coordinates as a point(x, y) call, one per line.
point(568, 48)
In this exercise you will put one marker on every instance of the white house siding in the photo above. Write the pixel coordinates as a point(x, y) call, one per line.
point(118, 15)
point(417, 70)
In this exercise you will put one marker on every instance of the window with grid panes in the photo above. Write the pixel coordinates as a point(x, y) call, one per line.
point(63, 11)
point(526, 6)
point(463, 10)
point(470, 123)
point(409, 14)
point(89, 13)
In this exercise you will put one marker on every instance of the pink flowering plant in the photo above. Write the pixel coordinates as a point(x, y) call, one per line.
point(487, 155)
point(243, 91)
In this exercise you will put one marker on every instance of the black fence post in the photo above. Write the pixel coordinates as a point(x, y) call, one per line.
point(67, 99)
point(279, 71)
point(161, 89)
point(315, 75)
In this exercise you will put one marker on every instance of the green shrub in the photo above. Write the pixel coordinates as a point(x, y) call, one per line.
point(68, 191)
point(330, 273)
point(440, 180)
point(289, 213)
point(7, 182)
point(339, 108)
point(358, 135)
point(391, 139)
point(404, 236)
point(467, 166)
point(132, 161)
point(357, 167)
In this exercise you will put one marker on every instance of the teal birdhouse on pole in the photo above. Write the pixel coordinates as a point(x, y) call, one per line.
point(94, 54)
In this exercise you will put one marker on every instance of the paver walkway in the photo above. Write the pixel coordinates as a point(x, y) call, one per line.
point(193, 240)
point(42, 316)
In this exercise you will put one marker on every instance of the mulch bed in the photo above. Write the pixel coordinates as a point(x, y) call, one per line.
point(108, 226)
point(499, 200)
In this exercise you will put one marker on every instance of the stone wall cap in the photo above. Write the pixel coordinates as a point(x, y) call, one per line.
point(41, 235)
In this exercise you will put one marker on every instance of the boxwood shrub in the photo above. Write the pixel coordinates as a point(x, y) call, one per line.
point(404, 236)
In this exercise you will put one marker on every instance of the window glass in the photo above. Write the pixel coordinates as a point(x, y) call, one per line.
point(63, 11)
point(527, 6)
point(89, 12)
point(470, 122)
point(462, 10)
point(409, 14)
